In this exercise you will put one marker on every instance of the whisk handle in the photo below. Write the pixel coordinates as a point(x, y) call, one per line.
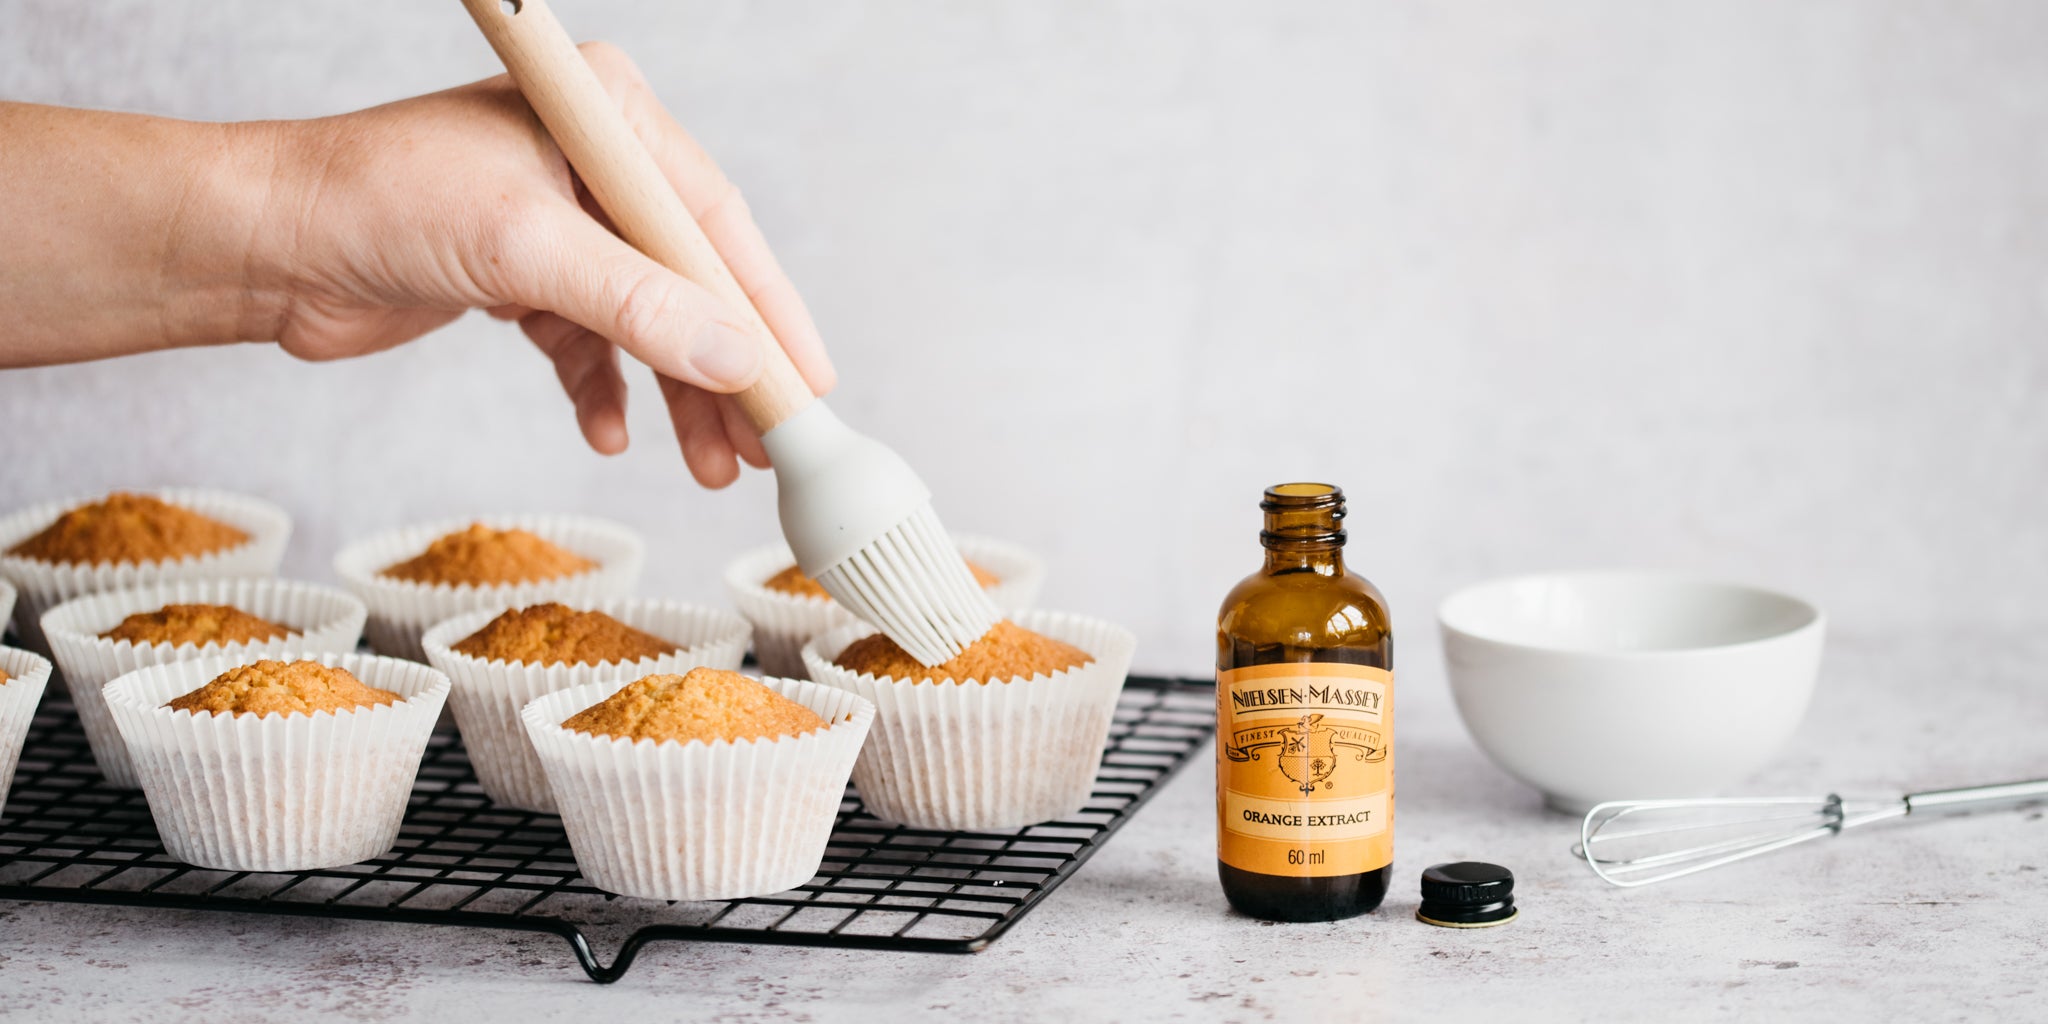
point(1977, 796)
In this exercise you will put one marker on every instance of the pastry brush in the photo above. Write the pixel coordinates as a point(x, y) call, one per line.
point(856, 515)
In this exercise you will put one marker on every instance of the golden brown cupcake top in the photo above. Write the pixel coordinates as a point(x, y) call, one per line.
point(3, 677)
point(1008, 651)
point(707, 704)
point(128, 528)
point(196, 624)
point(482, 556)
point(792, 581)
point(280, 688)
point(553, 634)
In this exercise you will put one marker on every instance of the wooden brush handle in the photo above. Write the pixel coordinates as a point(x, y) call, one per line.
point(622, 175)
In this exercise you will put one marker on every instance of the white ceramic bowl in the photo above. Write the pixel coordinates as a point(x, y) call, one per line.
point(1597, 686)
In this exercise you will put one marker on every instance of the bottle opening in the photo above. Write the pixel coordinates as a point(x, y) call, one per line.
point(1303, 513)
point(1302, 496)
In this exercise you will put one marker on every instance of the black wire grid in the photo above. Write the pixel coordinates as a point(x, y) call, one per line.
point(461, 860)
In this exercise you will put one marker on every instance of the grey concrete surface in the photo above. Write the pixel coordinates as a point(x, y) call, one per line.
point(1931, 920)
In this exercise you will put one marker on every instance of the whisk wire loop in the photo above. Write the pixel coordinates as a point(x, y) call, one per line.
point(1732, 829)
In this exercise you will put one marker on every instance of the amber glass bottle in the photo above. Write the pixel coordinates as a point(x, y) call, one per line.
point(1304, 723)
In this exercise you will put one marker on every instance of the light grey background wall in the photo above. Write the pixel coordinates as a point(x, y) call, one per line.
point(1753, 289)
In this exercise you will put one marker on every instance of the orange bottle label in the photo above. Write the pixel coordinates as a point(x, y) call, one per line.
point(1305, 768)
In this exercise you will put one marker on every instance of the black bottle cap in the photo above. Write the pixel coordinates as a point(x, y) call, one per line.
point(1468, 894)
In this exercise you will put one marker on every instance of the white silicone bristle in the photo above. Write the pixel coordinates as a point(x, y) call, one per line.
point(912, 584)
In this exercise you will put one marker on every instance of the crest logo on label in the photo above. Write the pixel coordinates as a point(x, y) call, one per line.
point(1309, 752)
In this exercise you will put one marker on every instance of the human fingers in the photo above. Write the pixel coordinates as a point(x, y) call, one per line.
point(739, 432)
point(551, 256)
point(588, 366)
point(701, 433)
point(721, 211)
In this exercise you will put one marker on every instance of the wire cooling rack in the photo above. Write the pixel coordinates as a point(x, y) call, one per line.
point(460, 860)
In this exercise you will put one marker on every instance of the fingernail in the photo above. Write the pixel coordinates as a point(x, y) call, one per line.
point(726, 355)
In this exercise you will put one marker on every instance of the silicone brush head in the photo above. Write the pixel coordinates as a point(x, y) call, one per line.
point(861, 523)
point(912, 584)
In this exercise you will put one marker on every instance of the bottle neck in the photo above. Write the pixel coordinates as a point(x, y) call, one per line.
point(1303, 531)
point(1321, 559)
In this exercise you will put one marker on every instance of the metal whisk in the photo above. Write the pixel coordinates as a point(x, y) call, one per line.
point(1630, 842)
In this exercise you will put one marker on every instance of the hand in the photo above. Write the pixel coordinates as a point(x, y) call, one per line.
point(391, 221)
point(348, 235)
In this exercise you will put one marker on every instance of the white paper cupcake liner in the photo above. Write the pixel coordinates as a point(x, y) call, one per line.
point(7, 596)
point(321, 619)
point(400, 611)
point(1019, 573)
point(44, 585)
point(280, 792)
point(488, 695)
point(699, 821)
point(985, 756)
point(783, 623)
point(28, 675)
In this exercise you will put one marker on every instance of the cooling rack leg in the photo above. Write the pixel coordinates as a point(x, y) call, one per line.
point(587, 957)
point(621, 963)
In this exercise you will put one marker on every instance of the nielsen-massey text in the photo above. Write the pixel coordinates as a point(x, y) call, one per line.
point(1305, 697)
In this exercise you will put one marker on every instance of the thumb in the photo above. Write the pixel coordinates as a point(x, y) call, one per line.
point(588, 275)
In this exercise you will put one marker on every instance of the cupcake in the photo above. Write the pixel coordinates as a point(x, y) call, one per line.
point(704, 786)
point(1009, 733)
point(100, 636)
point(788, 608)
point(7, 596)
point(59, 551)
point(416, 576)
point(288, 764)
point(22, 678)
point(501, 661)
